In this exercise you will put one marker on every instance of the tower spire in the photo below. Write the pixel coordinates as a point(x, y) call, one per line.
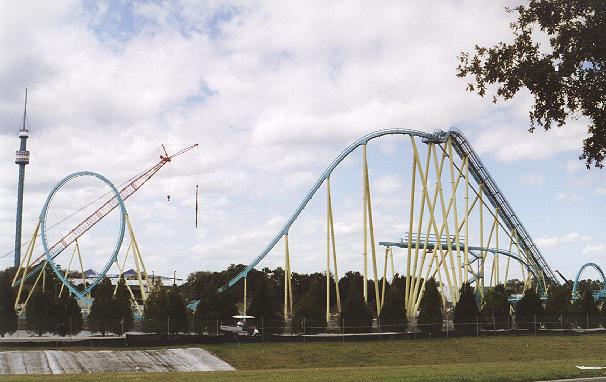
point(22, 159)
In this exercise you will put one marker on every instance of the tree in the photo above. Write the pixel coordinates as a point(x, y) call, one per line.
point(603, 314)
point(528, 310)
point(466, 310)
point(154, 314)
point(262, 305)
point(393, 311)
point(496, 311)
point(566, 80)
point(430, 309)
point(355, 313)
point(587, 310)
point(558, 307)
point(103, 314)
point(213, 307)
point(40, 312)
point(8, 316)
point(124, 307)
point(68, 316)
point(311, 308)
point(176, 312)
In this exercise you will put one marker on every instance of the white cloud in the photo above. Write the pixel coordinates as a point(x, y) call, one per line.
point(594, 250)
point(532, 179)
point(272, 91)
point(545, 242)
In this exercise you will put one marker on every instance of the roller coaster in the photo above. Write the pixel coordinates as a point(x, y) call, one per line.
point(461, 228)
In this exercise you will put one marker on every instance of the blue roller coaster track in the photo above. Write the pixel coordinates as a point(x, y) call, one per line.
point(479, 172)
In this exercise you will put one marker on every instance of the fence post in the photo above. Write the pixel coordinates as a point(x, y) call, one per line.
point(535, 324)
point(494, 324)
point(303, 329)
point(343, 329)
point(168, 327)
point(561, 323)
point(477, 327)
point(446, 322)
point(263, 329)
point(587, 327)
point(379, 323)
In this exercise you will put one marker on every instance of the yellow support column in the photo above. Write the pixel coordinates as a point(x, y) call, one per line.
point(482, 253)
point(137, 256)
point(334, 247)
point(417, 289)
point(287, 281)
point(383, 286)
point(466, 221)
point(410, 228)
point(327, 250)
point(453, 199)
point(365, 251)
point(245, 294)
point(372, 235)
point(497, 246)
point(27, 261)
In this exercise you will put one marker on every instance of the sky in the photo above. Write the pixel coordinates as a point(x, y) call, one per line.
point(271, 91)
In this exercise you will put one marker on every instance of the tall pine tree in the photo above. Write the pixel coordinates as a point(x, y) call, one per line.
point(355, 314)
point(558, 308)
point(311, 308)
point(529, 310)
point(154, 315)
point(176, 312)
point(496, 311)
point(587, 310)
point(262, 304)
point(431, 317)
point(214, 307)
point(8, 316)
point(41, 312)
point(466, 310)
point(103, 312)
point(393, 310)
point(68, 315)
point(124, 308)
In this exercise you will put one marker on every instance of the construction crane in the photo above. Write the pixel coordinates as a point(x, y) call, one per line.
point(129, 189)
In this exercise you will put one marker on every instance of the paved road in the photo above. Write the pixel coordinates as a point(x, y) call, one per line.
point(59, 361)
point(593, 379)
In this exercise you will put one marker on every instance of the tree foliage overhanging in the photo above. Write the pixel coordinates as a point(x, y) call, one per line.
point(566, 79)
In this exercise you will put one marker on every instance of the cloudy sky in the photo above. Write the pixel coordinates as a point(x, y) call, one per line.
point(272, 92)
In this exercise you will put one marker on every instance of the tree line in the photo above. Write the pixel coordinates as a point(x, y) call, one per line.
point(53, 310)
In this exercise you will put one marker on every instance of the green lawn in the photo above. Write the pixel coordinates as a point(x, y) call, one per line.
point(525, 358)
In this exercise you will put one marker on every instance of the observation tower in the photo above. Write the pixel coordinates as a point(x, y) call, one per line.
point(22, 159)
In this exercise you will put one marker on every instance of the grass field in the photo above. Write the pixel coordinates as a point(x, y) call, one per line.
point(524, 358)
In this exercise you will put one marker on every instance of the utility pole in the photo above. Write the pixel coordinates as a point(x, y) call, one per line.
point(22, 159)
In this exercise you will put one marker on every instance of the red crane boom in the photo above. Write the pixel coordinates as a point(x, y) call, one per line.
point(106, 208)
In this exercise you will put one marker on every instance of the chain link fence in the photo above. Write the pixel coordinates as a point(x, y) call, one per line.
point(181, 332)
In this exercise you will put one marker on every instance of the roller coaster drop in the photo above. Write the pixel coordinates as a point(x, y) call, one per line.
point(440, 227)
